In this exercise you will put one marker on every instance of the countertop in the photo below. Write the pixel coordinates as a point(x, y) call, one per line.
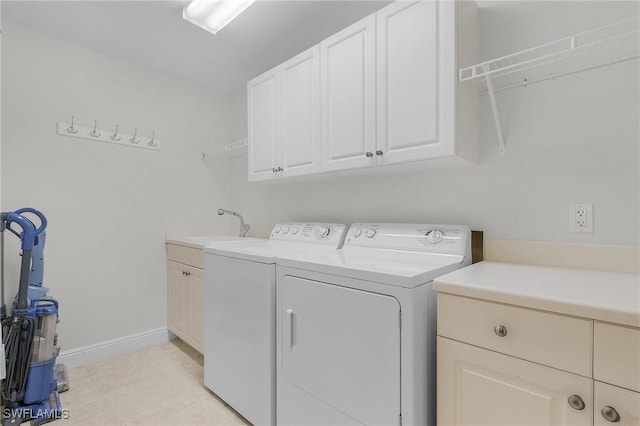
point(605, 296)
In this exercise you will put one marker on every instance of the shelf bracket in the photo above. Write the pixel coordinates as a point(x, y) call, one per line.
point(494, 107)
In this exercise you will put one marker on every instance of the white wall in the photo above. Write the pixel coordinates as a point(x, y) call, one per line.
point(573, 140)
point(107, 205)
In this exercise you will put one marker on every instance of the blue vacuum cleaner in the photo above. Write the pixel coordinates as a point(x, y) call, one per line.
point(29, 391)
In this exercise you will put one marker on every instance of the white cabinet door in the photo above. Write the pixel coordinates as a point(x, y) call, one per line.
point(407, 81)
point(341, 348)
point(262, 111)
point(616, 406)
point(484, 388)
point(196, 284)
point(348, 97)
point(178, 300)
point(300, 131)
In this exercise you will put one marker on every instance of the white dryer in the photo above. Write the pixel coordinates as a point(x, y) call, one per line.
point(355, 336)
point(239, 341)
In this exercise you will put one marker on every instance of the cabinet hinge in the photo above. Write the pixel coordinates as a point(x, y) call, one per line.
point(400, 321)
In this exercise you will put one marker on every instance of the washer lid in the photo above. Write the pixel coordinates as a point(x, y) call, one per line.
point(387, 266)
point(286, 238)
point(265, 251)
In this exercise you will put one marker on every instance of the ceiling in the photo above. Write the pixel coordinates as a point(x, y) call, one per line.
point(154, 35)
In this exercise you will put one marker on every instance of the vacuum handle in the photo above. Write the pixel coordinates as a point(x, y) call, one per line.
point(28, 234)
point(43, 220)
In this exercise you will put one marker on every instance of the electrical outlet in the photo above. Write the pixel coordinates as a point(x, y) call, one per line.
point(581, 218)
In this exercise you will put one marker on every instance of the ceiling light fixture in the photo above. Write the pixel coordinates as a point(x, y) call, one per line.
point(214, 15)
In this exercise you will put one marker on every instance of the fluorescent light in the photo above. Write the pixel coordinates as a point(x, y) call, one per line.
point(214, 15)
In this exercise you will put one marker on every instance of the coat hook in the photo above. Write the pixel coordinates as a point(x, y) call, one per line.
point(115, 136)
point(72, 129)
point(133, 139)
point(94, 133)
point(152, 141)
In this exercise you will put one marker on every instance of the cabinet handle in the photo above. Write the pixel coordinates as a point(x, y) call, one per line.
point(379, 152)
point(274, 170)
point(576, 402)
point(188, 274)
point(280, 169)
point(500, 330)
point(184, 273)
point(369, 154)
point(610, 414)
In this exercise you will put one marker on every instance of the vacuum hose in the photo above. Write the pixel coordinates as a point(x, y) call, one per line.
point(17, 342)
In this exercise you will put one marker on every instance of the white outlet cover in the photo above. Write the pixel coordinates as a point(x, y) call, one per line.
point(581, 218)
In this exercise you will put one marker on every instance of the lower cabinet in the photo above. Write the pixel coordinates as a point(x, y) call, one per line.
point(481, 387)
point(502, 364)
point(185, 302)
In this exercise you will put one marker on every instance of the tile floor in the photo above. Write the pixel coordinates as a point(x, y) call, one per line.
point(159, 385)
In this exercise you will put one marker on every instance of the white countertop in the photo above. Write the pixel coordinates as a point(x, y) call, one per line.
point(606, 296)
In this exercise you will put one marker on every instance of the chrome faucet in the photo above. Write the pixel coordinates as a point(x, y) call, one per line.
point(244, 227)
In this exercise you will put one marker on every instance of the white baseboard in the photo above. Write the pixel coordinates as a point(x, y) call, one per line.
point(110, 348)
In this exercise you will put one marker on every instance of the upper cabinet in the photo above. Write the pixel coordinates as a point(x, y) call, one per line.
point(262, 114)
point(300, 118)
point(284, 119)
point(384, 92)
point(348, 97)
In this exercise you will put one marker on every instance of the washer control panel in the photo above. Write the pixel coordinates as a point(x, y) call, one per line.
point(324, 233)
point(447, 239)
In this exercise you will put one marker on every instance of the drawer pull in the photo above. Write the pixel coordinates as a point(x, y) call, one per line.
point(576, 402)
point(610, 414)
point(500, 330)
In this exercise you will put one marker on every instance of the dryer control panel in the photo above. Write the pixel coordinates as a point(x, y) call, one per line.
point(445, 239)
point(318, 233)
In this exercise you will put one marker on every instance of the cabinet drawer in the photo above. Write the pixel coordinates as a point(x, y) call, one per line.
point(187, 255)
point(626, 404)
point(616, 355)
point(555, 340)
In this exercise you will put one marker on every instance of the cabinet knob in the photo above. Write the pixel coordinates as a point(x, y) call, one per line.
point(500, 330)
point(379, 152)
point(369, 154)
point(610, 414)
point(184, 272)
point(576, 402)
point(274, 170)
point(280, 169)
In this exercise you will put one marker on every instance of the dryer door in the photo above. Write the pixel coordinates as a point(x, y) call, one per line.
point(342, 347)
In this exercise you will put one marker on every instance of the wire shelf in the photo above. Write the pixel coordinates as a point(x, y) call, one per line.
point(606, 45)
point(230, 150)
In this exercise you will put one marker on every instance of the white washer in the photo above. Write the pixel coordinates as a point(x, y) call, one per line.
point(239, 346)
point(355, 339)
